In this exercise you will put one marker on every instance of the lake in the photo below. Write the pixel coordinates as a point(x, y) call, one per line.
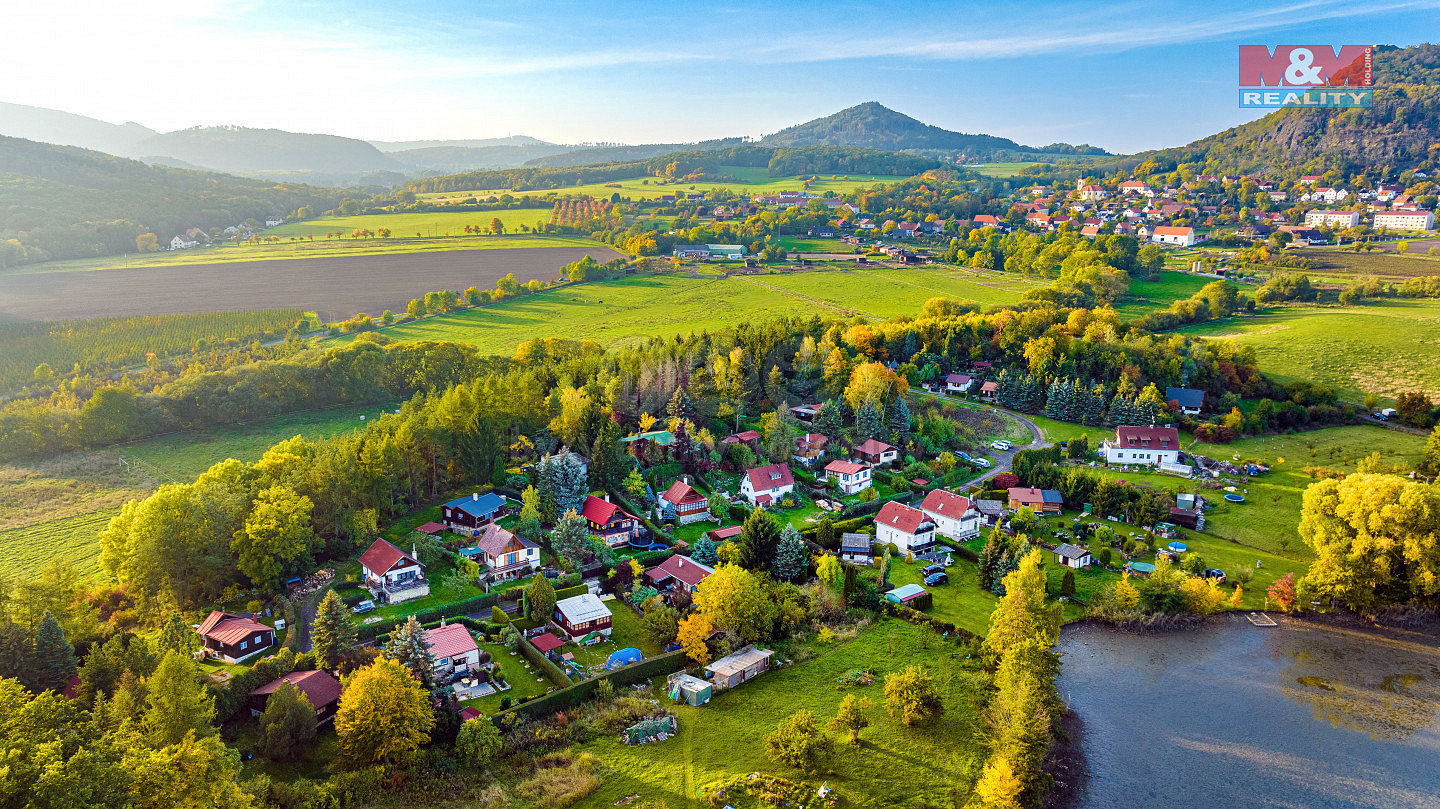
point(1233, 715)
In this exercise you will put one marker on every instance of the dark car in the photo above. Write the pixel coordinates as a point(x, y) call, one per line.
point(930, 570)
point(1213, 573)
point(940, 577)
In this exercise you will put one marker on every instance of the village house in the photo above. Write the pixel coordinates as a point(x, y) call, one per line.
point(182, 243)
point(1073, 556)
point(1303, 235)
point(992, 512)
point(876, 453)
point(392, 575)
point(452, 649)
point(958, 383)
point(749, 438)
point(1405, 220)
point(584, 617)
point(1330, 195)
point(1092, 192)
point(274, 220)
point(687, 503)
point(954, 516)
point(638, 444)
point(985, 220)
point(805, 413)
point(1040, 501)
point(321, 690)
point(989, 390)
point(467, 515)
point(904, 527)
point(1188, 400)
point(610, 522)
point(765, 485)
point(507, 556)
point(734, 669)
point(1340, 219)
point(1136, 187)
point(855, 549)
point(233, 638)
point(1145, 446)
point(849, 477)
point(809, 447)
point(1169, 234)
point(678, 573)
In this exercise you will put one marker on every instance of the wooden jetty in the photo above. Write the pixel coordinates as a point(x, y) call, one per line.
point(1261, 619)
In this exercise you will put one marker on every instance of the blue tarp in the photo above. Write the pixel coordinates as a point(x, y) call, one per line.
point(624, 657)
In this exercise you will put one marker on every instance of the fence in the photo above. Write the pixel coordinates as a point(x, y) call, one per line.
point(547, 705)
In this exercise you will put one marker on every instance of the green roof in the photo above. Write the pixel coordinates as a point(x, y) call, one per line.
point(662, 437)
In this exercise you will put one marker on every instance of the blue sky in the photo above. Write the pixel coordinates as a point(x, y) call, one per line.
point(1124, 75)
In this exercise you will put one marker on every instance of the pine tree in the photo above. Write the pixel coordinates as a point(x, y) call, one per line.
point(608, 462)
point(54, 658)
point(791, 556)
point(867, 423)
point(681, 408)
point(175, 635)
point(333, 634)
point(900, 420)
point(703, 551)
point(830, 422)
point(1145, 412)
point(567, 483)
point(1095, 405)
point(758, 540)
point(409, 648)
point(1057, 401)
point(17, 653)
point(287, 725)
point(989, 561)
point(540, 599)
point(1008, 392)
point(1118, 411)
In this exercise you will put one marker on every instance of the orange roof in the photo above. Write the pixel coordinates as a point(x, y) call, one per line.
point(1168, 230)
point(318, 687)
point(946, 504)
point(844, 467)
point(680, 493)
point(901, 517)
point(229, 629)
point(450, 640)
point(382, 557)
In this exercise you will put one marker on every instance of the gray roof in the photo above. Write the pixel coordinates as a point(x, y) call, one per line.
point(1069, 551)
point(990, 506)
point(855, 542)
point(1187, 397)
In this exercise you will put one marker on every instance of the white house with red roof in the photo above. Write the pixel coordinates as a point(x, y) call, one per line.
point(233, 638)
point(1092, 192)
point(809, 448)
point(904, 527)
point(452, 649)
point(688, 504)
point(392, 575)
point(876, 453)
point(678, 573)
point(765, 485)
point(507, 556)
point(1145, 446)
point(955, 516)
point(1136, 187)
point(985, 220)
point(610, 522)
point(958, 383)
point(849, 477)
point(1171, 234)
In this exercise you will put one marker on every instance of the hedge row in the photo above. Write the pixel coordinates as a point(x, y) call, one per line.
point(643, 514)
point(550, 670)
point(571, 592)
point(549, 704)
point(463, 607)
point(874, 506)
point(918, 618)
point(840, 527)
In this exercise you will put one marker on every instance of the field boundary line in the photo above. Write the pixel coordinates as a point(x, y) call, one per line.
point(818, 301)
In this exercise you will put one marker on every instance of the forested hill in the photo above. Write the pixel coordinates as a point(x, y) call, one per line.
point(64, 202)
point(1402, 128)
point(780, 162)
point(238, 149)
point(622, 154)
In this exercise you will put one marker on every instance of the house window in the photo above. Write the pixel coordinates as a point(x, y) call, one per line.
point(244, 644)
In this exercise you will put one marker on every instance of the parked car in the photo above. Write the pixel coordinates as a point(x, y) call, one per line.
point(1213, 573)
point(364, 606)
point(981, 463)
point(1003, 446)
point(1379, 417)
point(964, 456)
point(930, 570)
point(937, 578)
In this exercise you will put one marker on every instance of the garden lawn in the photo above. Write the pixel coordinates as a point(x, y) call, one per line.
point(522, 680)
point(725, 737)
point(1057, 431)
point(627, 632)
point(960, 602)
point(1145, 297)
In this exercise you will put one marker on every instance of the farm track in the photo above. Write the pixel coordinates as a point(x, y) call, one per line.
point(336, 288)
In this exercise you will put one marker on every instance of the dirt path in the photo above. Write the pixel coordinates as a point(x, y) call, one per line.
point(1037, 441)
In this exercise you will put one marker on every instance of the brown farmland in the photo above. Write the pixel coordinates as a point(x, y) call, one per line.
point(336, 288)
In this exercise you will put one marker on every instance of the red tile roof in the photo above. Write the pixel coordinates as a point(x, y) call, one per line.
point(317, 686)
point(382, 557)
point(1147, 437)
point(430, 528)
point(844, 467)
point(546, 642)
point(1167, 230)
point(768, 478)
point(946, 504)
point(900, 516)
point(725, 533)
point(450, 640)
point(681, 493)
point(600, 511)
point(468, 714)
point(1023, 495)
point(873, 447)
point(681, 569)
point(990, 387)
point(228, 628)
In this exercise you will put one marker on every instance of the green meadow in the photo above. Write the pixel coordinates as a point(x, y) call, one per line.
point(1152, 296)
point(435, 224)
point(639, 307)
point(1385, 347)
point(748, 179)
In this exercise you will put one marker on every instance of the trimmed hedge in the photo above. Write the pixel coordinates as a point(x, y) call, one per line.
point(918, 618)
point(643, 514)
point(874, 506)
point(840, 527)
point(571, 592)
point(498, 615)
point(549, 704)
point(550, 670)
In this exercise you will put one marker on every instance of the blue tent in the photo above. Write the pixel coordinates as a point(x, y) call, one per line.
point(624, 657)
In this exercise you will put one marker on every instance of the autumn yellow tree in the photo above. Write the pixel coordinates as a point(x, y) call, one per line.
point(694, 629)
point(850, 718)
point(872, 383)
point(1201, 596)
point(911, 695)
point(1021, 613)
point(735, 600)
point(998, 787)
point(383, 713)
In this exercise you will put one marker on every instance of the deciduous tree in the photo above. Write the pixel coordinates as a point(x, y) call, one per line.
point(734, 599)
point(692, 632)
point(799, 742)
point(383, 713)
point(850, 718)
point(287, 724)
point(910, 694)
point(176, 703)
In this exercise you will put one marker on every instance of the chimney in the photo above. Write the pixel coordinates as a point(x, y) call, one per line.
point(679, 562)
point(475, 496)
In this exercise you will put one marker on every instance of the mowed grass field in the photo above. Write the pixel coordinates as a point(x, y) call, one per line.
point(1385, 348)
point(1152, 296)
point(747, 179)
point(411, 226)
point(1338, 265)
point(633, 309)
point(57, 509)
point(894, 765)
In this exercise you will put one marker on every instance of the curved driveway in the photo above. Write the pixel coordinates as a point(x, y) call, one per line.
point(1004, 460)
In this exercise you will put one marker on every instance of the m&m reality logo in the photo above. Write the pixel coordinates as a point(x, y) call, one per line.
point(1307, 76)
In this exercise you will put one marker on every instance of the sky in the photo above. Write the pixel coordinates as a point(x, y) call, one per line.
point(1126, 76)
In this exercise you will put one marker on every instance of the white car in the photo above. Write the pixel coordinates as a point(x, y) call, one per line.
point(1003, 446)
point(981, 463)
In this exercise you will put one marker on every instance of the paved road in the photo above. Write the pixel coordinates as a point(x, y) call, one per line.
point(1004, 459)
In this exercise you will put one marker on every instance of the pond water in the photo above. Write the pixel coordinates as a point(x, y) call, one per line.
point(1238, 716)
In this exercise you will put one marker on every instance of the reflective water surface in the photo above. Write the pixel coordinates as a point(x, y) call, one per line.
point(1238, 716)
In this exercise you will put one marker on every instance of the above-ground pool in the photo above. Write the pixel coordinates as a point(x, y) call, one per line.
point(1235, 498)
point(1178, 547)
